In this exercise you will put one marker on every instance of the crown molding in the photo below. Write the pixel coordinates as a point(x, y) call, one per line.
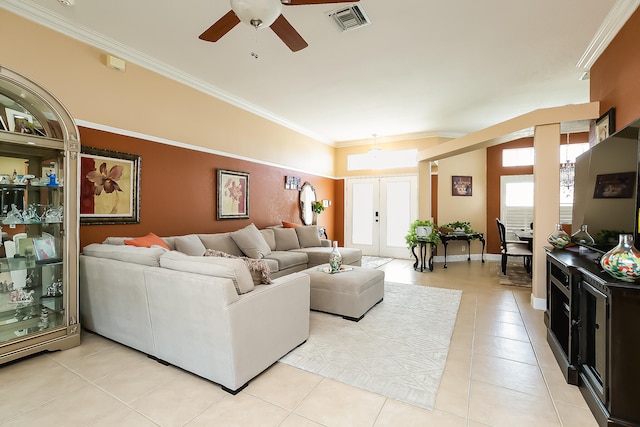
point(45, 17)
point(614, 21)
point(165, 141)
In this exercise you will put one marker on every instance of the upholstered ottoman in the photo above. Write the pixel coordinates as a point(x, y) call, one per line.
point(349, 294)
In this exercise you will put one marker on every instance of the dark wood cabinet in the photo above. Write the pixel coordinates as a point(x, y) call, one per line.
point(593, 328)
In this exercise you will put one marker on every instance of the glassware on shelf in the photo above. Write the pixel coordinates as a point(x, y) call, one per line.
point(582, 237)
point(559, 238)
point(623, 261)
point(335, 258)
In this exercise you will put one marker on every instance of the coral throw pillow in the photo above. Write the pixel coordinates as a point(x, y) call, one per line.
point(147, 241)
point(286, 224)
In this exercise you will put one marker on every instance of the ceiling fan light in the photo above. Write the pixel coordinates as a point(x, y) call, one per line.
point(264, 11)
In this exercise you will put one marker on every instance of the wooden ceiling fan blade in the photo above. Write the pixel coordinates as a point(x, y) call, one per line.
point(288, 34)
point(303, 2)
point(221, 27)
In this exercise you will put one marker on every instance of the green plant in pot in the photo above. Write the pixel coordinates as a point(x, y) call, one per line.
point(317, 207)
point(416, 231)
point(458, 226)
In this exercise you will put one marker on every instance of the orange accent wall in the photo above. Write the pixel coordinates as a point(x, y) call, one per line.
point(614, 76)
point(495, 170)
point(178, 191)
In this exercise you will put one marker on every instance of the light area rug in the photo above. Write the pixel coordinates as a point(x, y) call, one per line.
point(374, 261)
point(399, 349)
point(516, 275)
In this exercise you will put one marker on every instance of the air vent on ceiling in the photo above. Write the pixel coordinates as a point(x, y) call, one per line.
point(350, 18)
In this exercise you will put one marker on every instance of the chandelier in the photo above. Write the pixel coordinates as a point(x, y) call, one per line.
point(567, 170)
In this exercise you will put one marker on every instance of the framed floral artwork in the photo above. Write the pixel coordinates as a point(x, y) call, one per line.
point(233, 194)
point(109, 187)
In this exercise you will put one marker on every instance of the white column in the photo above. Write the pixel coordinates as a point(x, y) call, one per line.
point(546, 203)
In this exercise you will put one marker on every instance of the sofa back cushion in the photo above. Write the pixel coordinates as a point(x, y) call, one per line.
point(251, 242)
point(190, 245)
point(269, 237)
point(220, 242)
point(133, 254)
point(308, 236)
point(228, 268)
point(286, 239)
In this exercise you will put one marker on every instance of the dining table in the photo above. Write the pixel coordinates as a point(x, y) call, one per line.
point(526, 236)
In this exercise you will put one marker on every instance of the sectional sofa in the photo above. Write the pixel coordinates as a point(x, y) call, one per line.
point(209, 315)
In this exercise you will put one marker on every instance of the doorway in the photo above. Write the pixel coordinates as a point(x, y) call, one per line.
point(378, 214)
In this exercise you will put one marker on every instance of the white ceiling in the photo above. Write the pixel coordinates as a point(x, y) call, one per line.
point(422, 67)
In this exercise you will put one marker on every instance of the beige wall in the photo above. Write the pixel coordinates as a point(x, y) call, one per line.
point(463, 208)
point(142, 101)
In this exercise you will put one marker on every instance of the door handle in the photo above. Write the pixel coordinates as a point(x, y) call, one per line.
point(377, 216)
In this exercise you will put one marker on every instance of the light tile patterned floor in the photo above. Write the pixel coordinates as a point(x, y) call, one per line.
point(500, 372)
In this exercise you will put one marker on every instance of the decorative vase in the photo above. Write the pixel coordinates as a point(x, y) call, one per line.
point(335, 259)
point(314, 218)
point(582, 236)
point(559, 238)
point(623, 261)
point(423, 231)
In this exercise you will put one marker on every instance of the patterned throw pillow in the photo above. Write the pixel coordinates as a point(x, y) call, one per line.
point(259, 269)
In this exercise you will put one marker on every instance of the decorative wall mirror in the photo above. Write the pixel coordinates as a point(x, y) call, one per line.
point(307, 196)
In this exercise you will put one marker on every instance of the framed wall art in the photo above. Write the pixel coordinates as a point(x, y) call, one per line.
point(109, 187)
point(233, 194)
point(615, 185)
point(605, 125)
point(461, 186)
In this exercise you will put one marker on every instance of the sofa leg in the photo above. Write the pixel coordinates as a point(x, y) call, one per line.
point(236, 391)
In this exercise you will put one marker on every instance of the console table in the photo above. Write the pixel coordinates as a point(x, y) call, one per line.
point(445, 238)
point(423, 262)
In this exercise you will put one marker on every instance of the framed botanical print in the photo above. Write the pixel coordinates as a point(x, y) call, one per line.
point(233, 194)
point(109, 187)
point(605, 125)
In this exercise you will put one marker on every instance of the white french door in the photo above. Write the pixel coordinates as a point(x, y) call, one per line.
point(378, 214)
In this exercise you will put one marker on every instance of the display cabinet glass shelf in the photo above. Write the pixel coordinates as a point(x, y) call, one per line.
point(39, 149)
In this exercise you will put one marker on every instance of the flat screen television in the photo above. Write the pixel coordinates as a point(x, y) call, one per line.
point(606, 189)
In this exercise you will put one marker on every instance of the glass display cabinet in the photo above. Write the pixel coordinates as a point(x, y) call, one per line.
point(39, 150)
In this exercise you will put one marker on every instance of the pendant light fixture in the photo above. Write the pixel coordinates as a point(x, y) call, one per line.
point(567, 169)
point(257, 13)
point(375, 149)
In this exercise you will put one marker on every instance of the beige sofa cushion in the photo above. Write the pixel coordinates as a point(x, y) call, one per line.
point(251, 242)
point(286, 239)
point(229, 268)
point(220, 242)
point(288, 259)
point(270, 238)
point(190, 245)
point(133, 254)
point(308, 236)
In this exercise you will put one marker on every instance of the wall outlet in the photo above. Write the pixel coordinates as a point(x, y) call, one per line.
point(464, 248)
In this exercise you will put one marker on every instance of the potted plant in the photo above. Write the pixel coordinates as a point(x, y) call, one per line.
point(423, 230)
point(457, 227)
point(317, 208)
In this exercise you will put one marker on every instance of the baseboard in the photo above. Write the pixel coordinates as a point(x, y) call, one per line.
point(538, 303)
point(474, 257)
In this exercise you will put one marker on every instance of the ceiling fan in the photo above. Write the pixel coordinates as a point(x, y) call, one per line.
point(261, 14)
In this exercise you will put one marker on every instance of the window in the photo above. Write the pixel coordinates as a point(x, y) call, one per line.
point(516, 199)
point(517, 157)
point(383, 159)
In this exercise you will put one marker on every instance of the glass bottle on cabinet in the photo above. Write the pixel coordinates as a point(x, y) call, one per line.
point(39, 149)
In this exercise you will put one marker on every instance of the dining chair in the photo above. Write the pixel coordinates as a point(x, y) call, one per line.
point(513, 248)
